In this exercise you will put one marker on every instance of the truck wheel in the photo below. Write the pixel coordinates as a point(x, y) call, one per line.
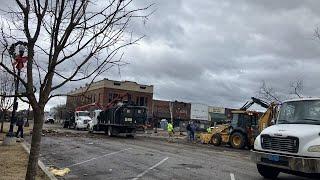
point(109, 131)
point(268, 172)
point(216, 139)
point(237, 140)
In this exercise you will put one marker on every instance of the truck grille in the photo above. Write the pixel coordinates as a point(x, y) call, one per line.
point(285, 144)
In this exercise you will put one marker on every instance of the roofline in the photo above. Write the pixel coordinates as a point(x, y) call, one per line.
point(303, 99)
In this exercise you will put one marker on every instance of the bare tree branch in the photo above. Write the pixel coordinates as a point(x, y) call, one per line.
point(296, 87)
point(268, 93)
point(67, 41)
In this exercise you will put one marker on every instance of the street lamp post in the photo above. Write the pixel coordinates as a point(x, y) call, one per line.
point(2, 112)
point(28, 114)
point(19, 61)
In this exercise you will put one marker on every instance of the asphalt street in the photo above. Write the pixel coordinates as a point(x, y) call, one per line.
point(102, 157)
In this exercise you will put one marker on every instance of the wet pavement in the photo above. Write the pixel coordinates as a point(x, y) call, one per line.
point(100, 157)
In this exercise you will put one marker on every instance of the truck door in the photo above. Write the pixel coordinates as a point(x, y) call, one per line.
point(128, 116)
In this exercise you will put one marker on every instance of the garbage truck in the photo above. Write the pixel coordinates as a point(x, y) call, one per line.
point(119, 117)
point(292, 145)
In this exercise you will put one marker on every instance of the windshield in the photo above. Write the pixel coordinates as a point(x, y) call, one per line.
point(83, 113)
point(300, 112)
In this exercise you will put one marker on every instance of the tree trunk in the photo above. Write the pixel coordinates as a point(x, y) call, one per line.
point(2, 120)
point(35, 143)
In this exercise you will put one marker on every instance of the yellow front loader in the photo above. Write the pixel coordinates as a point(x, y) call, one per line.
point(243, 129)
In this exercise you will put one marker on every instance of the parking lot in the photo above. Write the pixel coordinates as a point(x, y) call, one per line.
point(101, 157)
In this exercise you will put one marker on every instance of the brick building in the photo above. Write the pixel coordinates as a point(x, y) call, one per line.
point(105, 91)
point(180, 111)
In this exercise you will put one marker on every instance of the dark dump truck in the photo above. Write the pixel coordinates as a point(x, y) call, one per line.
point(123, 118)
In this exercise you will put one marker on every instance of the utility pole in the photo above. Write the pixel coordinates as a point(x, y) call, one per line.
point(28, 114)
point(171, 107)
point(2, 112)
point(19, 62)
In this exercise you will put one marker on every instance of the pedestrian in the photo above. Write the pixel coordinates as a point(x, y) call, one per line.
point(193, 130)
point(19, 124)
point(209, 130)
point(170, 131)
point(189, 131)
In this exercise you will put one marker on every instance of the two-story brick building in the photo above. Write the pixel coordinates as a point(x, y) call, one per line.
point(180, 111)
point(105, 91)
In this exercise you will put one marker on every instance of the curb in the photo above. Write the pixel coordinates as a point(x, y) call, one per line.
point(40, 163)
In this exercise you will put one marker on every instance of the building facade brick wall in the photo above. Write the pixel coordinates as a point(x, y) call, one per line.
point(105, 91)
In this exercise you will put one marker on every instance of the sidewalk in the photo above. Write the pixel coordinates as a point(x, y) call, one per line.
point(13, 162)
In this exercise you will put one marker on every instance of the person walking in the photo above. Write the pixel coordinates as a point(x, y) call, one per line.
point(189, 131)
point(193, 130)
point(209, 130)
point(19, 124)
point(170, 131)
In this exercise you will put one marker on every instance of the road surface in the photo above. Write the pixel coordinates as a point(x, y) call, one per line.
point(99, 157)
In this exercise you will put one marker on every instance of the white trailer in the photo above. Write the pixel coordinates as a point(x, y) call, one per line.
point(199, 111)
point(199, 114)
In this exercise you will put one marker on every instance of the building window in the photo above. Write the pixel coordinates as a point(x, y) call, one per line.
point(94, 98)
point(146, 101)
point(115, 96)
point(110, 97)
point(99, 99)
point(143, 87)
point(142, 101)
point(116, 83)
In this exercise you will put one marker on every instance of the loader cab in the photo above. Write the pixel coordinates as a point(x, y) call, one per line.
point(243, 127)
point(244, 119)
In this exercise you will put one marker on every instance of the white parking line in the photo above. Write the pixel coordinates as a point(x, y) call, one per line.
point(152, 167)
point(232, 176)
point(98, 157)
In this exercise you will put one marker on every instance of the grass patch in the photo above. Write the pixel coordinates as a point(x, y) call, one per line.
point(14, 161)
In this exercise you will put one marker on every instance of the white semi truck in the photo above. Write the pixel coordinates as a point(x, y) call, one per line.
point(78, 120)
point(292, 145)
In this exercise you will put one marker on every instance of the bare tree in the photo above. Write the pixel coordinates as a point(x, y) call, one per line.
point(6, 89)
point(268, 93)
point(67, 41)
point(296, 87)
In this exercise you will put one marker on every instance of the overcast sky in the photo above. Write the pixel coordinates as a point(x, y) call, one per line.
point(219, 52)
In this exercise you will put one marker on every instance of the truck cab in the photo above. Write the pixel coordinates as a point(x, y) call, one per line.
point(292, 145)
point(92, 124)
point(82, 118)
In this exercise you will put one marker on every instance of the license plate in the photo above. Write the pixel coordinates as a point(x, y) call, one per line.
point(274, 157)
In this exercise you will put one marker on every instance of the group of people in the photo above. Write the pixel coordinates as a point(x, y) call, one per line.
point(191, 129)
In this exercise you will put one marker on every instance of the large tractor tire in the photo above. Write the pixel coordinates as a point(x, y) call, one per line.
point(238, 140)
point(268, 172)
point(216, 139)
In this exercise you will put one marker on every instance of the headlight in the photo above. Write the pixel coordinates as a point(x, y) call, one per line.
point(314, 148)
point(256, 143)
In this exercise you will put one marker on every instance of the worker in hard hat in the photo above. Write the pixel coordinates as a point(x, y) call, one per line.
point(170, 131)
point(209, 129)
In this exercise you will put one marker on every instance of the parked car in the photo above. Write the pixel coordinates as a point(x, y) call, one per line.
point(50, 120)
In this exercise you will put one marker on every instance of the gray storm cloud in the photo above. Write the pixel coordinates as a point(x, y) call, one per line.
point(219, 52)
